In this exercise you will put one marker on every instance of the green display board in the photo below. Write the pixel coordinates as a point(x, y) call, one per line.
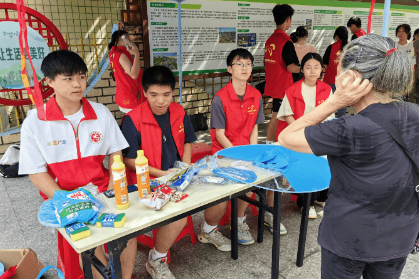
point(211, 29)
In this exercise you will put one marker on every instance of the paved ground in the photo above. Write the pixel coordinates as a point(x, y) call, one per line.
point(19, 228)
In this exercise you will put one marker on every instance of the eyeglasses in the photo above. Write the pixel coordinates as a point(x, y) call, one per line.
point(336, 78)
point(248, 65)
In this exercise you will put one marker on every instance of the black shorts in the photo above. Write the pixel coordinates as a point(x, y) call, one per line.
point(276, 104)
point(336, 267)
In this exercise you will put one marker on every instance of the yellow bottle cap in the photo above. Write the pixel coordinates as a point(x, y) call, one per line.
point(140, 153)
point(117, 159)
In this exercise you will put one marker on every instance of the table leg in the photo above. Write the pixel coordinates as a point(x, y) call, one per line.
point(87, 267)
point(303, 229)
point(115, 249)
point(261, 220)
point(234, 230)
point(276, 234)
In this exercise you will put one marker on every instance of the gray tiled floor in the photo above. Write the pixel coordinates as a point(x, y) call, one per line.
point(19, 228)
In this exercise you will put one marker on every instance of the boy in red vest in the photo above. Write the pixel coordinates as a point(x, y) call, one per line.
point(236, 111)
point(354, 24)
point(281, 61)
point(164, 131)
point(78, 133)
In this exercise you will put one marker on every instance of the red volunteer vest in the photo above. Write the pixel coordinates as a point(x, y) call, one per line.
point(83, 170)
point(331, 71)
point(295, 97)
point(240, 116)
point(360, 33)
point(151, 134)
point(129, 92)
point(278, 78)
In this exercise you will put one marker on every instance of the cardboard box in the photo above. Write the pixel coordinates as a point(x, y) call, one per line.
point(28, 265)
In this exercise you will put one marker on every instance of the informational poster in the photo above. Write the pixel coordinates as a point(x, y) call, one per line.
point(211, 29)
point(10, 61)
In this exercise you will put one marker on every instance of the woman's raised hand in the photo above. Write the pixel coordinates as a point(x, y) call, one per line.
point(352, 89)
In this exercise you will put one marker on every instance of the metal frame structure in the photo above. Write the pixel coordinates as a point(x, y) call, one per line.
point(115, 247)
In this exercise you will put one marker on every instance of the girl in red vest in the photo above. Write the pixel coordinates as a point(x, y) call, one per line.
point(127, 72)
point(333, 51)
point(302, 97)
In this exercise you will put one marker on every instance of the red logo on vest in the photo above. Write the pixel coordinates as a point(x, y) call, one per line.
point(96, 137)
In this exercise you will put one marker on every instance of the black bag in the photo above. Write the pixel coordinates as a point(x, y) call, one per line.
point(199, 122)
point(10, 171)
point(261, 87)
point(393, 131)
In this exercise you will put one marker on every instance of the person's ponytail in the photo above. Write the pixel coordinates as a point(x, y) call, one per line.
point(395, 68)
point(115, 38)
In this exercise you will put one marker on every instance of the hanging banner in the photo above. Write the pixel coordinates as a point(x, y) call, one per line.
point(211, 29)
point(10, 59)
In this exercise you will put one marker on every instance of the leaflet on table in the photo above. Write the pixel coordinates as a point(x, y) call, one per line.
point(211, 29)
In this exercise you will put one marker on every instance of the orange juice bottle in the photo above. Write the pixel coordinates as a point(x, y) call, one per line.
point(120, 184)
point(143, 176)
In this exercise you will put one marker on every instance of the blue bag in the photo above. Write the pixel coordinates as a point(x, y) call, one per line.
point(76, 206)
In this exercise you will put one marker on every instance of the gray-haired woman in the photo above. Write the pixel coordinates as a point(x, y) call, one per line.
point(371, 219)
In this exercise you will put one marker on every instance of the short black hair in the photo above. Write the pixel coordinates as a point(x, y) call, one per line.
point(62, 62)
point(241, 53)
point(282, 12)
point(354, 20)
point(416, 32)
point(158, 75)
point(406, 29)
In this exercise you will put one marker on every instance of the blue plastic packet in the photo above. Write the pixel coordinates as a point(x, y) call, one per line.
point(46, 215)
point(75, 206)
point(235, 174)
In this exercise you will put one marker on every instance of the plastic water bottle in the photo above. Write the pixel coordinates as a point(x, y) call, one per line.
point(128, 44)
point(120, 184)
point(143, 176)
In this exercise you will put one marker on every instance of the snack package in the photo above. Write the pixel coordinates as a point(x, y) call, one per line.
point(178, 196)
point(181, 180)
point(76, 206)
point(157, 199)
point(155, 185)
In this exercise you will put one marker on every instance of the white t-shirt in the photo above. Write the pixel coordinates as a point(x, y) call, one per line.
point(409, 50)
point(75, 118)
point(53, 142)
point(309, 96)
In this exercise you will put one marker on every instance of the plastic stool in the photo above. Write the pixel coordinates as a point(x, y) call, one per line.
point(200, 150)
point(226, 218)
point(188, 229)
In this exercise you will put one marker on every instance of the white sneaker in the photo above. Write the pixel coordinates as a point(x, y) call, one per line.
point(269, 222)
point(158, 269)
point(216, 238)
point(312, 214)
point(320, 203)
point(244, 236)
